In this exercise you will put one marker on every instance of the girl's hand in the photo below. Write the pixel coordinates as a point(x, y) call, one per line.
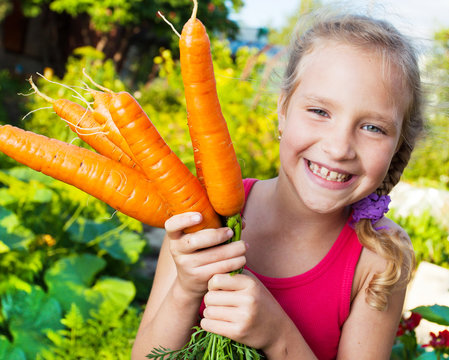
point(242, 309)
point(197, 256)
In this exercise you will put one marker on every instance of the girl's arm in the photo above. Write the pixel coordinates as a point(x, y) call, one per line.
point(185, 265)
point(369, 333)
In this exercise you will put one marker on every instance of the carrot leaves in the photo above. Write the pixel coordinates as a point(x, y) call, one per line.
point(207, 346)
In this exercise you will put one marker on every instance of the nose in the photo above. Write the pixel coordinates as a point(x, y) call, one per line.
point(339, 143)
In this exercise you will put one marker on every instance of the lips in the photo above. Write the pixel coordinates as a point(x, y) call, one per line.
point(329, 175)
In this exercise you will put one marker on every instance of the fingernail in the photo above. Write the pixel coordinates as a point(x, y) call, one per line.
point(246, 245)
point(196, 218)
point(229, 233)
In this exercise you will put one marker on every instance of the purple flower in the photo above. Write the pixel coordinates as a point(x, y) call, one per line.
point(372, 207)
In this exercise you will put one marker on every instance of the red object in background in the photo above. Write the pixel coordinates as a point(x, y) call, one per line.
point(440, 341)
point(409, 324)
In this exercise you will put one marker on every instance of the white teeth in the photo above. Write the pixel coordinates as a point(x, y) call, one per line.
point(328, 174)
point(333, 175)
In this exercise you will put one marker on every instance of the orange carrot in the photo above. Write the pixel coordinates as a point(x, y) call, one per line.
point(123, 188)
point(102, 116)
point(82, 122)
point(175, 183)
point(213, 150)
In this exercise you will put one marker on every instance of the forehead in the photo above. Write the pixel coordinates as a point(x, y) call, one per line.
point(355, 67)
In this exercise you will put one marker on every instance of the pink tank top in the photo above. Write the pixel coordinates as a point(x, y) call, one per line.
point(318, 301)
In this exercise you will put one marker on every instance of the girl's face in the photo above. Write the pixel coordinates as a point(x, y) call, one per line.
point(341, 127)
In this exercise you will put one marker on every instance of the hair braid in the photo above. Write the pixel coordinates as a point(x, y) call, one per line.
point(397, 166)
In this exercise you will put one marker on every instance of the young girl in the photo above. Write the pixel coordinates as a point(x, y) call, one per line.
point(325, 272)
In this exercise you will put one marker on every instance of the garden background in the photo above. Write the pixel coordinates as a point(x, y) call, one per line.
point(75, 274)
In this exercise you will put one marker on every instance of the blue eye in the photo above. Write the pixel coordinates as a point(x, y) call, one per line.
point(319, 112)
point(373, 128)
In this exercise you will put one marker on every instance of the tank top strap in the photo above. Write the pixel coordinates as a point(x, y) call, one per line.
point(247, 186)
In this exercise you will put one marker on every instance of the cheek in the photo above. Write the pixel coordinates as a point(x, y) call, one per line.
point(291, 145)
point(380, 161)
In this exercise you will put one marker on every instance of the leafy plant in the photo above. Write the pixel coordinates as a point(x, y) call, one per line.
point(406, 346)
point(29, 316)
point(60, 247)
point(106, 335)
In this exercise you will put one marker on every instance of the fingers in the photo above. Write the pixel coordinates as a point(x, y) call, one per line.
point(230, 282)
point(175, 225)
point(206, 238)
point(224, 266)
point(189, 243)
point(224, 313)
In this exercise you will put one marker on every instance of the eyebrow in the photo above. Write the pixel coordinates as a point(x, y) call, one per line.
point(318, 99)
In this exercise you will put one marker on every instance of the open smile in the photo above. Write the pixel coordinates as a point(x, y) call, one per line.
point(326, 174)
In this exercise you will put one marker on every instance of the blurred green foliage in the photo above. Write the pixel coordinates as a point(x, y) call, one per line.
point(11, 106)
point(429, 238)
point(429, 164)
point(106, 15)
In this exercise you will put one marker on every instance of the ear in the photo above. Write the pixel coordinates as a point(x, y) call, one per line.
point(281, 113)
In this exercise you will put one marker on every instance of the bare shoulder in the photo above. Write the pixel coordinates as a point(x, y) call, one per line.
point(372, 262)
point(389, 226)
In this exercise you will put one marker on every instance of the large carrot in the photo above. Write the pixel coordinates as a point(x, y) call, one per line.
point(175, 183)
point(213, 150)
point(123, 188)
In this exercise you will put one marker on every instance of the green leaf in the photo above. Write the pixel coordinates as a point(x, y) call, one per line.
point(125, 246)
point(69, 278)
point(77, 269)
point(6, 198)
point(117, 293)
point(12, 233)
point(428, 356)
point(9, 351)
point(13, 282)
point(3, 247)
point(120, 244)
point(398, 352)
point(29, 316)
point(73, 319)
point(436, 313)
point(85, 230)
point(27, 174)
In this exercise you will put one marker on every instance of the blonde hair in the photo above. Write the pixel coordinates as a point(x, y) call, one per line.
point(396, 50)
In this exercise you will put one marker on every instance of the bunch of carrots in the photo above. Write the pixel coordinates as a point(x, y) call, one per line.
point(134, 171)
